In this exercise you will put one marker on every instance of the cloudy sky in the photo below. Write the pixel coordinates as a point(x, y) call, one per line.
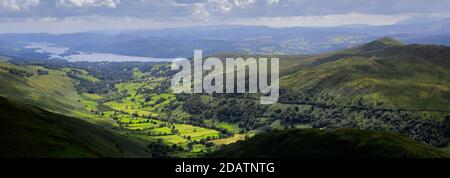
point(67, 16)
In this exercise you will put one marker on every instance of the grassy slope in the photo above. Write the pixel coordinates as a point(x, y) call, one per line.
point(381, 73)
point(343, 143)
point(27, 131)
point(54, 92)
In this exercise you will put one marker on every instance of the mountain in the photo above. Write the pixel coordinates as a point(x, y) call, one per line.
point(427, 27)
point(434, 39)
point(341, 143)
point(382, 73)
point(28, 131)
point(378, 44)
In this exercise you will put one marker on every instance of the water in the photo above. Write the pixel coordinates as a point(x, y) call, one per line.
point(57, 52)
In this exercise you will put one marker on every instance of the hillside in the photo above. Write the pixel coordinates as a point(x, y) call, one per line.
point(24, 84)
point(27, 131)
point(382, 85)
point(383, 73)
point(342, 143)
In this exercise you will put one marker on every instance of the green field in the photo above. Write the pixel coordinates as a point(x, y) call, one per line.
point(196, 133)
point(173, 139)
point(161, 131)
point(226, 141)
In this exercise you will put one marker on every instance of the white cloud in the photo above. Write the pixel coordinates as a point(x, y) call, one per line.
point(18, 5)
point(200, 12)
point(244, 3)
point(89, 3)
point(227, 5)
point(272, 2)
point(220, 5)
point(203, 10)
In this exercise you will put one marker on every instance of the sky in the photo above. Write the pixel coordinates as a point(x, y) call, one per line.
point(69, 16)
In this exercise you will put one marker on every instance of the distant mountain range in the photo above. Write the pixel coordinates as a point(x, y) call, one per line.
point(180, 42)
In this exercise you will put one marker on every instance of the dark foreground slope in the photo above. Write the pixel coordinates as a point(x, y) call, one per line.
point(27, 131)
point(342, 143)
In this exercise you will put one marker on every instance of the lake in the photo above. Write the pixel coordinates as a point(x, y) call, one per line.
point(57, 52)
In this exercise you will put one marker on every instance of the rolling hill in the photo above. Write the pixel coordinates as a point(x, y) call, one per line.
point(27, 131)
point(382, 85)
point(341, 143)
point(383, 73)
point(24, 84)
